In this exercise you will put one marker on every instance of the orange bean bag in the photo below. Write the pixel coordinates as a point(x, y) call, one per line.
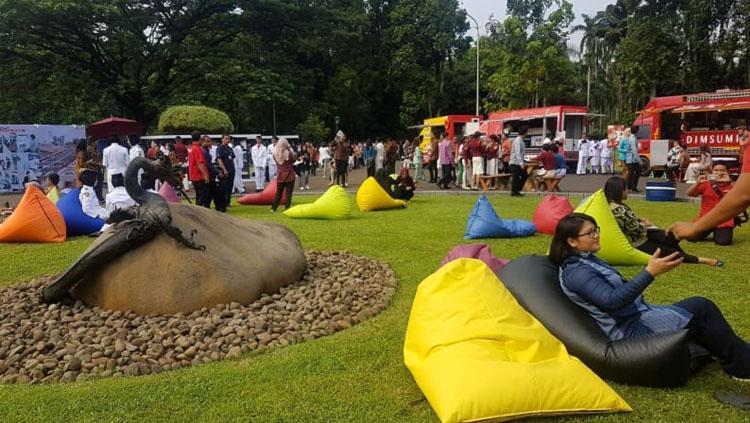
point(36, 219)
point(263, 198)
point(550, 210)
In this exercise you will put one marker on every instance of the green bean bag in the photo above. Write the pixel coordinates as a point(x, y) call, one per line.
point(615, 247)
point(334, 204)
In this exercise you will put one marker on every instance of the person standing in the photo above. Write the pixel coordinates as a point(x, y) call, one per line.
point(225, 158)
point(492, 153)
point(583, 155)
point(303, 169)
point(369, 156)
point(379, 155)
point(135, 150)
point(115, 158)
point(475, 152)
point(445, 156)
point(633, 160)
point(623, 146)
point(417, 162)
point(325, 158)
point(239, 166)
point(595, 154)
point(518, 173)
point(259, 155)
point(434, 156)
point(271, 163)
point(180, 149)
point(605, 154)
point(391, 156)
point(284, 158)
point(341, 157)
point(198, 171)
point(507, 145)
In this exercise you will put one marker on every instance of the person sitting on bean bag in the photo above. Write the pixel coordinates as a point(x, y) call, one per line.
point(384, 180)
point(405, 186)
point(641, 233)
point(618, 306)
point(89, 201)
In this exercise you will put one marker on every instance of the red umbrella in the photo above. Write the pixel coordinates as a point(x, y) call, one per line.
point(112, 126)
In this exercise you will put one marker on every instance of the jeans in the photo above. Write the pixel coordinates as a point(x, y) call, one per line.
point(709, 328)
point(304, 178)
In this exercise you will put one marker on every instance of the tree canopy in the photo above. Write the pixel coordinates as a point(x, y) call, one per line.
point(377, 65)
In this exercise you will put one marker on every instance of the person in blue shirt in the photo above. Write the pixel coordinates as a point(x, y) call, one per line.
point(561, 168)
point(618, 306)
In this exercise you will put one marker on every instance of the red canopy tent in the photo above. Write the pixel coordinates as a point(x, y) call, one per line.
point(112, 126)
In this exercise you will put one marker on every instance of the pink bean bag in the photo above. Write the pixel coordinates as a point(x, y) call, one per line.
point(477, 251)
point(167, 191)
point(263, 198)
point(550, 210)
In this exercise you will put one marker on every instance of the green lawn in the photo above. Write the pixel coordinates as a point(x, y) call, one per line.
point(358, 375)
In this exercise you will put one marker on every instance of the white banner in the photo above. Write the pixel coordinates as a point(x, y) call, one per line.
point(30, 152)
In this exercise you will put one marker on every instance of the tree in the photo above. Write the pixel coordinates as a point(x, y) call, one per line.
point(313, 129)
point(184, 119)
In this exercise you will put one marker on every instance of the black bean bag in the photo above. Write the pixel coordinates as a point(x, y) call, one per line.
point(657, 360)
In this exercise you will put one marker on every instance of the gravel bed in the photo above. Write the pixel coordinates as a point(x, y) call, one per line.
point(42, 343)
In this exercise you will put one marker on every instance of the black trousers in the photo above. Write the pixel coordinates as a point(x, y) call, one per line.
point(281, 187)
point(341, 170)
point(634, 172)
point(518, 178)
point(710, 329)
point(668, 244)
point(722, 236)
point(445, 181)
point(202, 194)
point(228, 184)
point(219, 193)
point(432, 167)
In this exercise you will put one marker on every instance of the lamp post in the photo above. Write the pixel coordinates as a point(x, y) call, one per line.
point(336, 119)
point(477, 26)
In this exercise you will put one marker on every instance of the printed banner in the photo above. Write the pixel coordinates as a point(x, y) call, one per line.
point(29, 152)
point(711, 138)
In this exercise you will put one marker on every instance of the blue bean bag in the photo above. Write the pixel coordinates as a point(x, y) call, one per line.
point(484, 223)
point(76, 221)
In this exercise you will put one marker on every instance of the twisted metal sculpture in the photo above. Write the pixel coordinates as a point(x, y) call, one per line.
point(131, 227)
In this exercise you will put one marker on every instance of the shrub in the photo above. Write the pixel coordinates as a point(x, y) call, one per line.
point(184, 119)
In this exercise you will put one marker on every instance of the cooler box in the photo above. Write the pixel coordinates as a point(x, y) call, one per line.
point(660, 191)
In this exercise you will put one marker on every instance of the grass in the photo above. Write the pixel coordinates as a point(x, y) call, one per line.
point(358, 375)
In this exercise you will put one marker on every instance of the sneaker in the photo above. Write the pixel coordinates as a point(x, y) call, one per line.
point(307, 187)
point(734, 399)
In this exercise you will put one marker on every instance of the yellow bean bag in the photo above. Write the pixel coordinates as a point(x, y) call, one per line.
point(334, 204)
point(476, 354)
point(615, 247)
point(371, 196)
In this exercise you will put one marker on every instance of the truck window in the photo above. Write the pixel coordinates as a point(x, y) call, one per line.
point(644, 132)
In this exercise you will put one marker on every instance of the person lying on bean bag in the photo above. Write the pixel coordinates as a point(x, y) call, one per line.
point(641, 233)
point(618, 306)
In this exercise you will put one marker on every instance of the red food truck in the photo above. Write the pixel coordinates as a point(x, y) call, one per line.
point(711, 119)
point(568, 122)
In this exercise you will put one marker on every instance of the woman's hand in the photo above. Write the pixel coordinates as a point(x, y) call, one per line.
point(658, 265)
point(646, 222)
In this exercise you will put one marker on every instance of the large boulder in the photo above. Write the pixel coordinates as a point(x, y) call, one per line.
point(243, 259)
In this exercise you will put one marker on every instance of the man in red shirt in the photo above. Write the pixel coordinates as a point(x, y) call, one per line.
point(732, 204)
point(198, 171)
point(712, 189)
point(547, 159)
point(180, 150)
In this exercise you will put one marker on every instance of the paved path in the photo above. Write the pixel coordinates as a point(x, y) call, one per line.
point(572, 184)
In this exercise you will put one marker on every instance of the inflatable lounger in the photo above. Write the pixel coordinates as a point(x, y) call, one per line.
point(662, 360)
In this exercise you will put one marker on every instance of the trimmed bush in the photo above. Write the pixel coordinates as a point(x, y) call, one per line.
point(183, 119)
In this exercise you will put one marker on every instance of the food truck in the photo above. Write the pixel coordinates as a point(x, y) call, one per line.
point(711, 119)
point(564, 121)
point(452, 125)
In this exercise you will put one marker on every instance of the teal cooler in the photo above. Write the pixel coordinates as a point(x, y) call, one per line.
point(660, 191)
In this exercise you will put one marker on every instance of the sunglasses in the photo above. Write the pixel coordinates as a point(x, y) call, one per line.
point(594, 233)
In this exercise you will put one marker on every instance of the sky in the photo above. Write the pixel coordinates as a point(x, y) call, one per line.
point(482, 9)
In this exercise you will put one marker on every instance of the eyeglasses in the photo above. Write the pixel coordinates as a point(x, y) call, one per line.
point(594, 233)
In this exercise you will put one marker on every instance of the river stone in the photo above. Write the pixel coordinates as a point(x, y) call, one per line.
point(243, 260)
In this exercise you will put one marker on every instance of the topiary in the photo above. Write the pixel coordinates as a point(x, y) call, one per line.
point(183, 119)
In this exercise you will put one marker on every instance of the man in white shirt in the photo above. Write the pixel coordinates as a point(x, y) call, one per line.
point(583, 156)
point(118, 198)
point(516, 162)
point(325, 158)
point(259, 155)
point(135, 150)
point(239, 164)
point(379, 155)
point(115, 158)
point(271, 161)
point(89, 202)
point(606, 156)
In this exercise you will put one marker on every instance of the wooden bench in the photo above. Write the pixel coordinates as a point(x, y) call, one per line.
point(552, 184)
point(501, 179)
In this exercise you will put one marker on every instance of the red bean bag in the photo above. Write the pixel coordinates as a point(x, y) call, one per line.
point(478, 251)
point(263, 198)
point(550, 210)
